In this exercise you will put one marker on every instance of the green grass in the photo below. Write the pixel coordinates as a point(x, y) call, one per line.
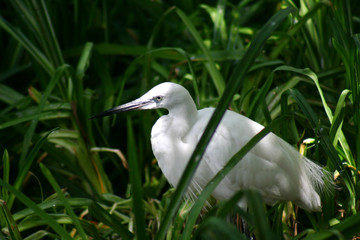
point(292, 66)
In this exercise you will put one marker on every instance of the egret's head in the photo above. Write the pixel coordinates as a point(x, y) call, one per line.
point(165, 95)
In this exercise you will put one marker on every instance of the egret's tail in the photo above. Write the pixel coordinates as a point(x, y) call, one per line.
point(320, 178)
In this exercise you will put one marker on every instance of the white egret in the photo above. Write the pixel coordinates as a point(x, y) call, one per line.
point(273, 167)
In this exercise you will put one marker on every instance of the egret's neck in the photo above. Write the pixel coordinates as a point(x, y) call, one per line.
point(183, 116)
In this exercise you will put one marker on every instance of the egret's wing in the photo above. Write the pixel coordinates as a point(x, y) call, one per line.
point(273, 180)
point(273, 167)
point(233, 132)
point(225, 142)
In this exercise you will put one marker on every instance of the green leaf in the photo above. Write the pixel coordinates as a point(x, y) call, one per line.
point(335, 130)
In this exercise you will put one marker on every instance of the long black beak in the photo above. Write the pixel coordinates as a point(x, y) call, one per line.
point(133, 105)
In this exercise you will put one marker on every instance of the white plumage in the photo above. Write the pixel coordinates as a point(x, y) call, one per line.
point(272, 167)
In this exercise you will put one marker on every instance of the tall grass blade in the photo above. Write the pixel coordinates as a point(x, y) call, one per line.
point(4, 193)
point(135, 180)
point(260, 97)
point(6, 175)
point(81, 68)
point(339, 114)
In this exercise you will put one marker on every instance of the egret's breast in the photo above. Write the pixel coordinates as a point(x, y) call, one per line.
point(170, 151)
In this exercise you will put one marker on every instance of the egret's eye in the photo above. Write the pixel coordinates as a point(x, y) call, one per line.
point(158, 99)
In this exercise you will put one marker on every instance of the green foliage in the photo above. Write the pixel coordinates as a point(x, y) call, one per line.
point(292, 66)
